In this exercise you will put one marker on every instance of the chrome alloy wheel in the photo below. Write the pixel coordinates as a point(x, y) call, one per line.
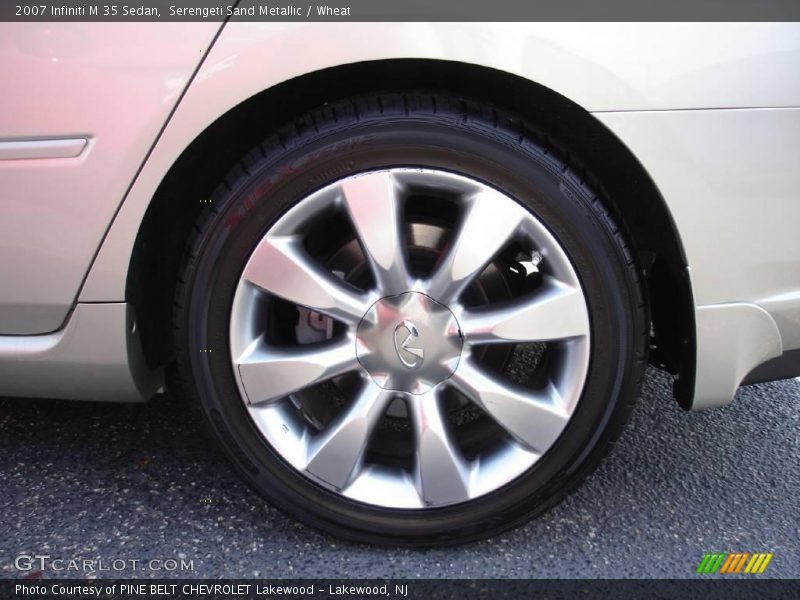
point(404, 335)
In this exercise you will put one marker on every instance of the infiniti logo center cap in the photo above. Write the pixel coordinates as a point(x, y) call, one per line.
point(409, 342)
point(405, 335)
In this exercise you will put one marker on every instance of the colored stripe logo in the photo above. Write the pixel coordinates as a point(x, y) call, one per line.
point(734, 562)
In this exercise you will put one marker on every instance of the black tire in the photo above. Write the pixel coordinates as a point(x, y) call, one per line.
point(412, 130)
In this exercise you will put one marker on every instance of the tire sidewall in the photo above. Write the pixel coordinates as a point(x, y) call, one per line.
point(276, 182)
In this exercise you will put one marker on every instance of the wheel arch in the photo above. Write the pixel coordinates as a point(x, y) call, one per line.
point(632, 196)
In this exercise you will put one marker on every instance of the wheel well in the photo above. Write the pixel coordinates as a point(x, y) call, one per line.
point(634, 200)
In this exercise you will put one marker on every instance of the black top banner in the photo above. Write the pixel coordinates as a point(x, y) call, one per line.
point(400, 10)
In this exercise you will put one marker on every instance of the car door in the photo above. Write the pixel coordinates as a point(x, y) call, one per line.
point(82, 106)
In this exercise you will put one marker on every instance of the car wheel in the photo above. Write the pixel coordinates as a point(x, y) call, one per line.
point(410, 322)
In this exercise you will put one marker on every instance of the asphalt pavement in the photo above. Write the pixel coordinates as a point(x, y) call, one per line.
point(117, 482)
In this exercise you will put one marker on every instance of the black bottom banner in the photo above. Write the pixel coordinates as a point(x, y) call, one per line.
point(457, 589)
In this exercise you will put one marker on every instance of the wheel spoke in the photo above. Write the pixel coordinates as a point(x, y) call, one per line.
point(374, 206)
point(269, 373)
point(534, 418)
point(337, 454)
point(280, 266)
point(555, 313)
point(489, 223)
point(441, 472)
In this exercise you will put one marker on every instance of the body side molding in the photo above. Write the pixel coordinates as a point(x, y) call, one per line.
point(41, 148)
